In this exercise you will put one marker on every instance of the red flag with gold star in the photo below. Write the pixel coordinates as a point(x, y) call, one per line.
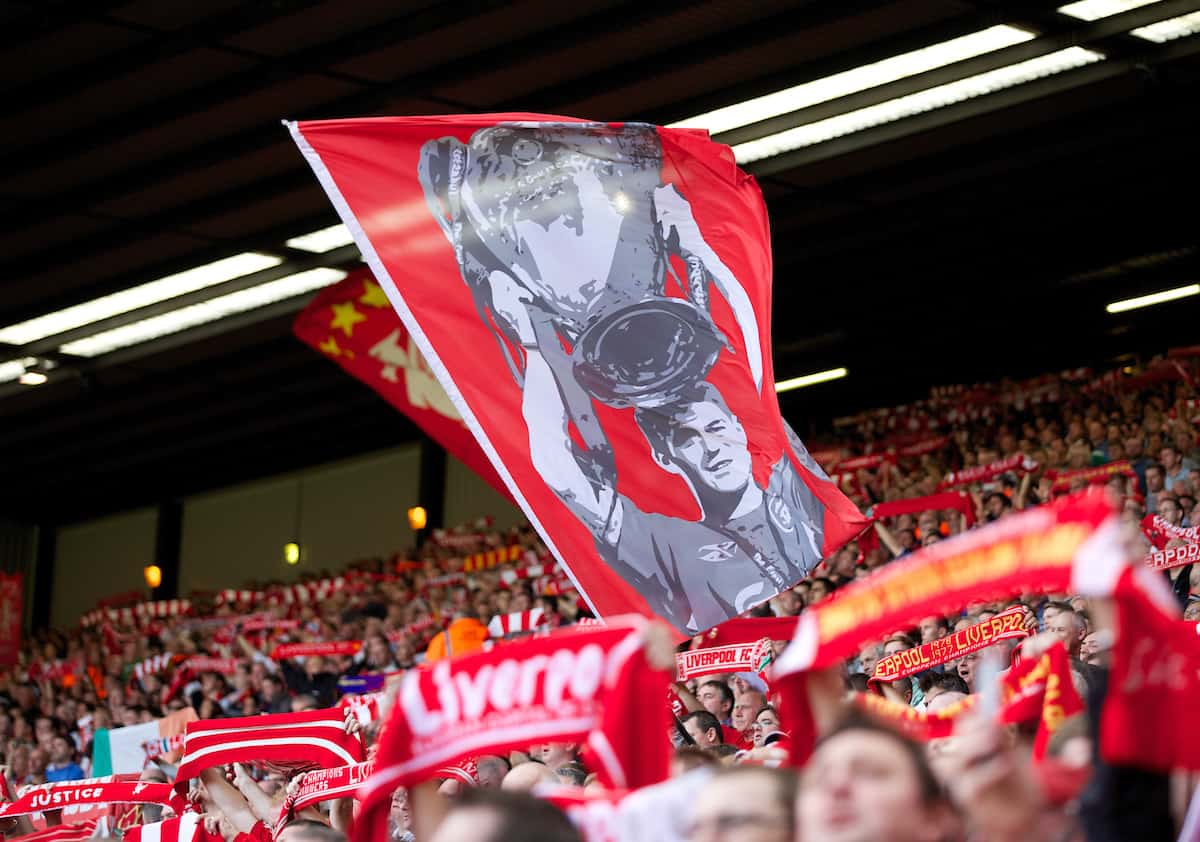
point(353, 324)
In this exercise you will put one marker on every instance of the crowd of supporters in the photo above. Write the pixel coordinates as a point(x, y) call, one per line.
point(475, 585)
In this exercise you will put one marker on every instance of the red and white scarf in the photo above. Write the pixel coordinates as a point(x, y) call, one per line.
point(324, 785)
point(204, 663)
point(920, 448)
point(519, 621)
point(1036, 689)
point(151, 666)
point(740, 657)
point(1006, 625)
point(956, 500)
point(1063, 480)
point(365, 707)
point(323, 648)
point(1173, 557)
point(1159, 531)
point(1017, 463)
point(77, 832)
point(491, 558)
point(314, 739)
point(1071, 545)
point(579, 686)
point(188, 827)
point(56, 796)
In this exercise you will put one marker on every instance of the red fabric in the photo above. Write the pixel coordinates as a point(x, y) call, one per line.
point(370, 169)
point(324, 785)
point(314, 739)
point(258, 833)
point(304, 650)
point(740, 657)
point(185, 828)
point(75, 832)
point(982, 473)
point(749, 630)
point(920, 448)
point(581, 686)
point(1040, 689)
point(1064, 479)
point(1045, 549)
point(594, 813)
point(91, 791)
point(1154, 682)
point(1006, 625)
point(353, 324)
point(956, 500)
point(1173, 557)
point(12, 601)
point(730, 735)
point(201, 663)
point(1159, 532)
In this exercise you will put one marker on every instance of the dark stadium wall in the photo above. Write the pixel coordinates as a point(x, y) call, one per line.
point(338, 512)
point(99, 558)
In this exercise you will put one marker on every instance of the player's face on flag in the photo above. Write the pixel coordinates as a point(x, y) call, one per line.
point(709, 446)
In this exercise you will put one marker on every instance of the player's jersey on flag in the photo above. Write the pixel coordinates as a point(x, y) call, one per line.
point(596, 300)
point(291, 742)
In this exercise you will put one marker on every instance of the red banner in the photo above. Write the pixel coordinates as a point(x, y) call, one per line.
point(595, 298)
point(353, 324)
point(12, 601)
point(579, 686)
point(304, 650)
point(1154, 683)
point(1070, 545)
point(1006, 625)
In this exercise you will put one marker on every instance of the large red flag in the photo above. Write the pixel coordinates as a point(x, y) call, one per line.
point(353, 324)
point(596, 300)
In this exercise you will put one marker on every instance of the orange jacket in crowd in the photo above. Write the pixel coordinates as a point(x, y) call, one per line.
point(464, 635)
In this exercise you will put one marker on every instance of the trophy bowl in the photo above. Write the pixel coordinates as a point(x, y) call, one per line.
point(646, 354)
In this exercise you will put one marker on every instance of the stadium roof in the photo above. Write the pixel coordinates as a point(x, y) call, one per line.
point(957, 189)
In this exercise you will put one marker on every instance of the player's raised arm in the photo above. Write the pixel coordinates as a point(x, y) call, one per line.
point(554, 455)
point(675, 213)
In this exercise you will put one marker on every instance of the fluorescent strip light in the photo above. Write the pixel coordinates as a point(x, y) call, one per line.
point(1096, 9)
point(857, 79)
point(1153, 298)
point(199, 277)
point(11, 370)
point(206, 311)
point(32, 378)
point(1169, 30)
point(810, 379)
point(917, 103)
point(327, 239)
